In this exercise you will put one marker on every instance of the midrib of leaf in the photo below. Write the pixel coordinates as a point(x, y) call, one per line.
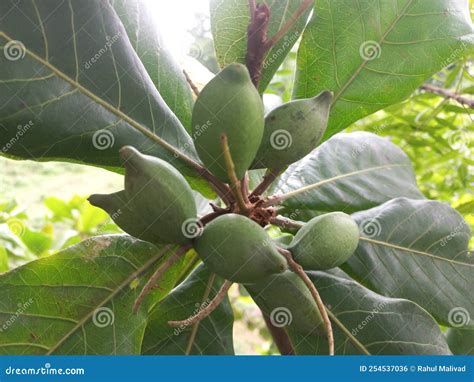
point(114, 293)
point(279, 198)
point(414, 251)
point(347, 333)
point(108, 106)
point(364, 63)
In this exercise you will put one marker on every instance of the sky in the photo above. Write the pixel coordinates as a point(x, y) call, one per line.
point(174, 18)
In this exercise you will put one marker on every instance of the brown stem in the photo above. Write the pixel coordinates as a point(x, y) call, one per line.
point(207, 310)
point(448, 94)
point(285, 222)
point(256, 38)
point(268, 178)
point(245, 188)
point(234, 181)
point(298, 269)
point(280, 337)
point(191, 83)
point(159, 273)
point(289, 24)
point(192, 336)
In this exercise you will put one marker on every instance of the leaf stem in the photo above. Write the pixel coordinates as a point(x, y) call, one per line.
point(207, 310)
point(205, 296)
point(159, 273)
point(191, 83)
point(298, 269)
point(349, 335)
point(235, 182)
point(268, 178)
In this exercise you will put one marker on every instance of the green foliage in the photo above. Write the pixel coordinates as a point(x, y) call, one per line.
point(106, 65)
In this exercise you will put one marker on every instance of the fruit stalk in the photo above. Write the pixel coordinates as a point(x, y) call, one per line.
point(235, 182)
point(203, 313)
point(159, 273)
point(298, 269)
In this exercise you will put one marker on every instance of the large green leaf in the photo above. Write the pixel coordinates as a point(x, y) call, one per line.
point(461, 342)
point(349, 172)
point(70, 77)
point(418, 250)
point(214, 333)
point(164, 71)
point(79, 301)
point(229, 22)
point(381, 325)
point(375, 53)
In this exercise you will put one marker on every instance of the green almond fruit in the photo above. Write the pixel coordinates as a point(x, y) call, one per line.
point(238, 249)
point(292, 131)
point(157, 204)
point(229, 104)
point(325, 242)
point(286, 300)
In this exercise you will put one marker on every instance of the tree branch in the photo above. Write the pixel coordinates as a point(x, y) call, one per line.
point(298, 269)
point(448, 94)
point(282, 341)
point(207, 310)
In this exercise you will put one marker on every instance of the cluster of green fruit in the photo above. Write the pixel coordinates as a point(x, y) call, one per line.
point(158, 205)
